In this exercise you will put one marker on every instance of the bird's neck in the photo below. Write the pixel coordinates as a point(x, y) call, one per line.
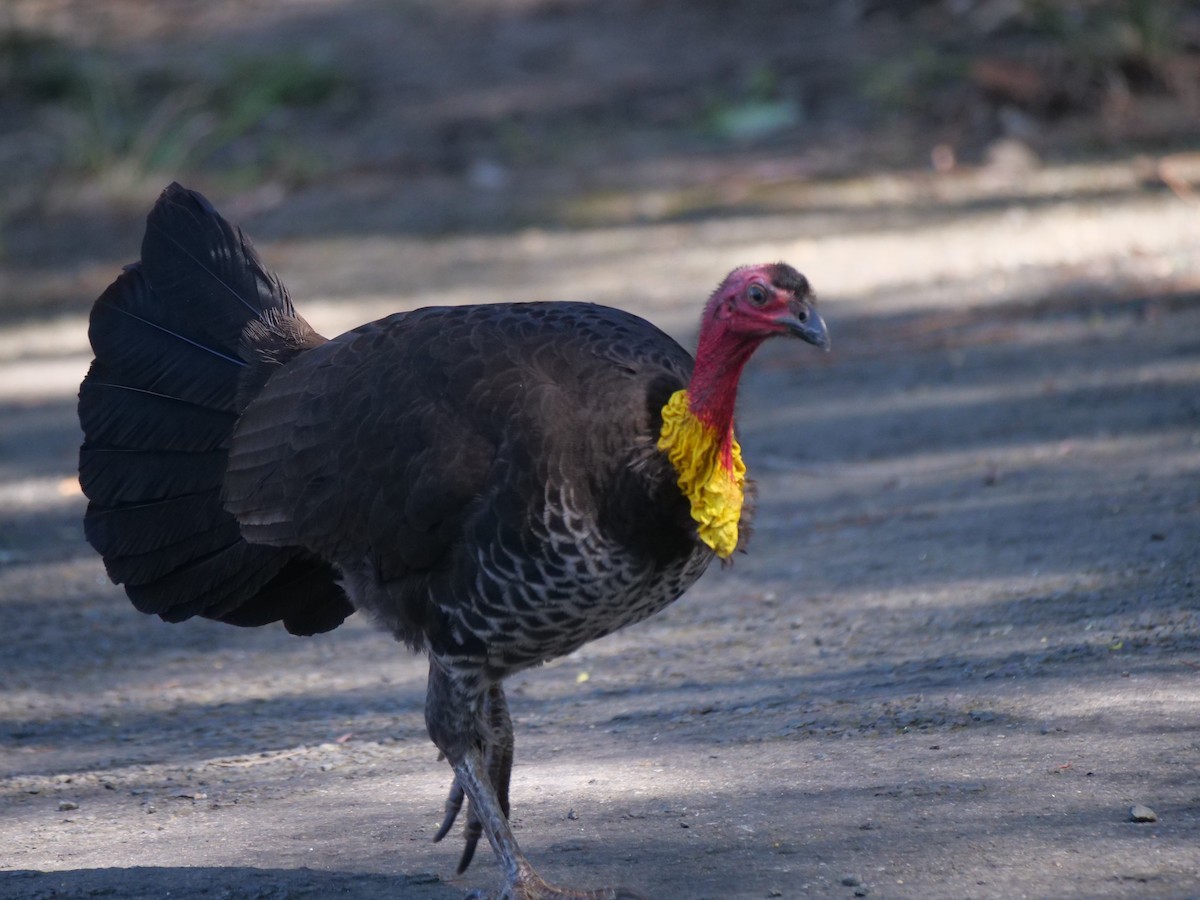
point(712, 392)
point(697, 436)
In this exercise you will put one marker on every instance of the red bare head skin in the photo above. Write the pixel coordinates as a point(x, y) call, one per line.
point(752, 304)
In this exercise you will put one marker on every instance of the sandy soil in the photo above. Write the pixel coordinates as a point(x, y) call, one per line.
point(965, 642)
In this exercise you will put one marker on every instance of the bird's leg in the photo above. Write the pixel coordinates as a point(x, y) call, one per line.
point(450, 715)
point(499, 752)
point(498, 757)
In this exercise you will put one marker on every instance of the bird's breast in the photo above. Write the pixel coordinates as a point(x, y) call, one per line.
point(544, 590)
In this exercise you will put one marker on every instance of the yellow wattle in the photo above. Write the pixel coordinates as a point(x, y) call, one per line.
point(715, 487)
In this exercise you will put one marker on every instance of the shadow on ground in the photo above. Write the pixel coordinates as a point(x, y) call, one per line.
point(225, 882)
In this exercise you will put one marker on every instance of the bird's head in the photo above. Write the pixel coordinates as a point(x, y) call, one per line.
point(754, 303)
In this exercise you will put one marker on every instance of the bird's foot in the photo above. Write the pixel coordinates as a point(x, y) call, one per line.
point(532, 887)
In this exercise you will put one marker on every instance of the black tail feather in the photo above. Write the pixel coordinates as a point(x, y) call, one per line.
point(148, 342)
point(208, 268)
point(124, 416)
point(130, 529)
point(211, 586)
point(153, 565)
point(111, 475)
point(174, 338)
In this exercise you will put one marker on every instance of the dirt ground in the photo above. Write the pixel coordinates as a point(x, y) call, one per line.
point(964, 645)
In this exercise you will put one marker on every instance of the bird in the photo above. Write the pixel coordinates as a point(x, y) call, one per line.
point(495, 484)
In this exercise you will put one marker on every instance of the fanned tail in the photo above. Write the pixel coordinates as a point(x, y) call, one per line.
point(176, 339)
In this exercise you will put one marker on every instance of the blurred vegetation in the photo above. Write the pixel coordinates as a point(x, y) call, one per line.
point(907, 83)
point(112, 121)
point(1047, 56)
point(1113, 34)
point(473, 114)
point(1115, 45)
point(1042, 56)
point(38, 68)
point(760, 109)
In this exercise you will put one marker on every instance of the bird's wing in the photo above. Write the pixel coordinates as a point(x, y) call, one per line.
point(357, 448)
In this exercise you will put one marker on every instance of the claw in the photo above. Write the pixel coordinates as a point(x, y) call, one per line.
point(471, 835)
point(453, 805)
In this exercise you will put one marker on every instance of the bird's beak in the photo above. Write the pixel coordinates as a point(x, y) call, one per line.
point(811, 328)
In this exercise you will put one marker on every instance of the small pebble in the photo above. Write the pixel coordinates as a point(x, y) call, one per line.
point(851, 880)
point(67, 805)
point(1141, 813)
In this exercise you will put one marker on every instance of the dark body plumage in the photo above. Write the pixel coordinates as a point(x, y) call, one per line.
point(484, 481)
point(485, 477)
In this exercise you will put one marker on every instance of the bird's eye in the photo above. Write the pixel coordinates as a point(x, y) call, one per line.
point(756, 294)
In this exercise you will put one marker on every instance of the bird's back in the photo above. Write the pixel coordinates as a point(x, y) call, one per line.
point(486, 477)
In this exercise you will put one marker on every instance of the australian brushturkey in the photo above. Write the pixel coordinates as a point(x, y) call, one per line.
point(496, 485)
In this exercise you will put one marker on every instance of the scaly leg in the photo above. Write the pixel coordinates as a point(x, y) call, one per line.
point(498, 758)
point(451, 716)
